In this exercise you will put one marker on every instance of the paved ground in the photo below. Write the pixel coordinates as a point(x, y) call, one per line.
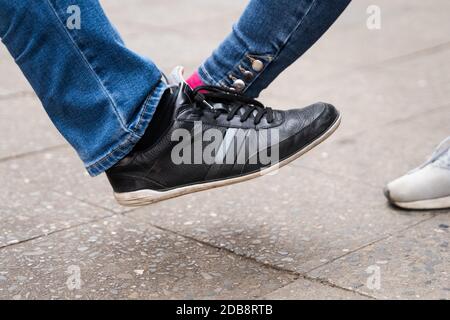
point(318, 229)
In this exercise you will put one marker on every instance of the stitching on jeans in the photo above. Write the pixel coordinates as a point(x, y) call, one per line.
point(146, 102)
point(141, 113)
point(224, 79)
point(239, 37)
point(119, 150)
point(274, 58)
point(203, 69)
point(86, 62)
point(313, 3)
point(244, 44)
point(106, 158)
point(283, 46)
point(253, 57)
point(105, 162)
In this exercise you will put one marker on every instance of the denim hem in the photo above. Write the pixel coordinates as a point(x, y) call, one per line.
point(124, 147)
point(205, 76)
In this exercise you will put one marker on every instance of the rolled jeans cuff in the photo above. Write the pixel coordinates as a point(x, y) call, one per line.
point(130, 138)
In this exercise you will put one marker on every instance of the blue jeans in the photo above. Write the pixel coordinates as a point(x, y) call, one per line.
point(101, 96)
point(275, 33)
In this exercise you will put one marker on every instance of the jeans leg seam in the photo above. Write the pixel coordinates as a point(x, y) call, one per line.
point(210, 79)
point(128, 139)
point(313, 3)
point(223, 79)
point(86, 62)
point(142, 112)
point(132, 137)
point(105, 159)
point(160, 92)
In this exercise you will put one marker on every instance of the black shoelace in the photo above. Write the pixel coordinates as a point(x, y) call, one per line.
point(203, 95)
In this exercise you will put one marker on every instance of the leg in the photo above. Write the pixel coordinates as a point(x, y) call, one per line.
point(269, 37)
point(99, 94)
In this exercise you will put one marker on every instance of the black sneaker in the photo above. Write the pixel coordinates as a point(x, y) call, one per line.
point(211, 137)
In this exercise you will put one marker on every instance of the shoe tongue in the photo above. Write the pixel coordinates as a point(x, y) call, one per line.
point(176, 76)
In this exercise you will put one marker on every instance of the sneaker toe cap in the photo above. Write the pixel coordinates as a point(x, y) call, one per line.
point(312, 120)
point(427, 183)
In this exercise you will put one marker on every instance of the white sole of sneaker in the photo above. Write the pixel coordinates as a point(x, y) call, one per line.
point(431, 204)
point(145, 197)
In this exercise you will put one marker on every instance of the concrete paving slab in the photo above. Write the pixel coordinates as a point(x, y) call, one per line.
point(410, 265)
point(386, 91)
point(372, 96)
point(393, 88)
point(35, 214)
point(184, 42)
point(402, 25)
point(25, 127)
point(379, 155)
point(29, 210)
point(304, 289)
point(120, 259)
point(401, 34)
point(298, 219)
point(350, 44)
point(61, 170)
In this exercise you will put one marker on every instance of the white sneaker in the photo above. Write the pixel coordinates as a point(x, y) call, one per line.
point(427, 187)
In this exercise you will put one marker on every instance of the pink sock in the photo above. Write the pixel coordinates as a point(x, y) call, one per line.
point(194, 81)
